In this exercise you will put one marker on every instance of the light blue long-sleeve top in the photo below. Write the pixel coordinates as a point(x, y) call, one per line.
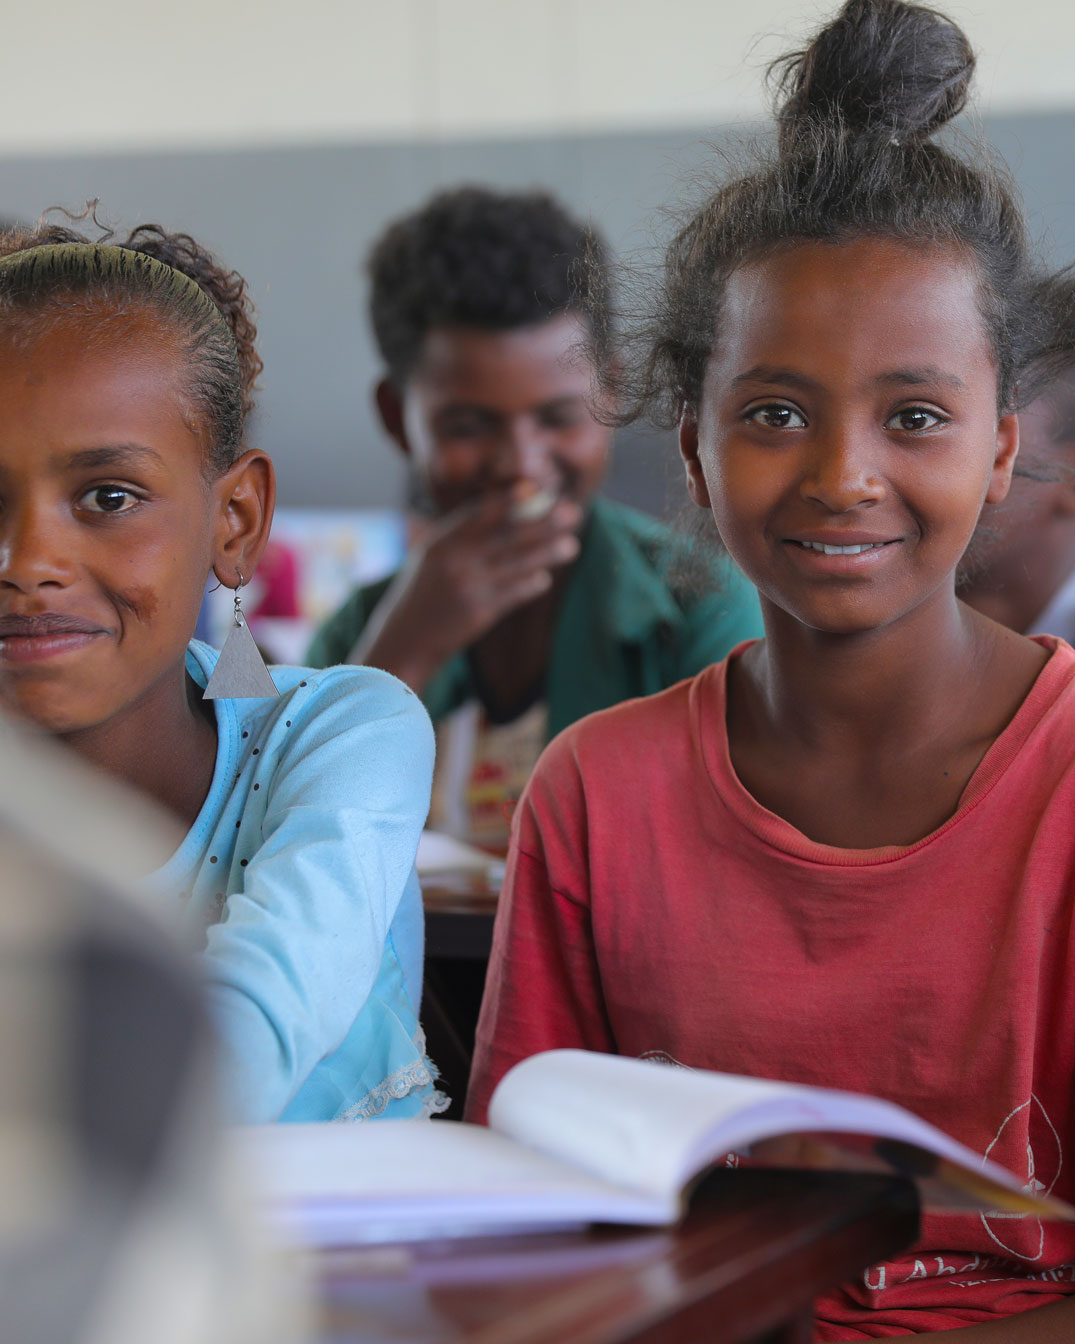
point(298, 874)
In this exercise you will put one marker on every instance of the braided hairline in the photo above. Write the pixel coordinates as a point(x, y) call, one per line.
point(166, 274)
point(107, 258)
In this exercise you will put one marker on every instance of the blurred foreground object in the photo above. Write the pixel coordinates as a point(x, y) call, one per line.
point(118, 1222)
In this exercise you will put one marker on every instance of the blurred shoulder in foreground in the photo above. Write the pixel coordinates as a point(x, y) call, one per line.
point(119, 1222)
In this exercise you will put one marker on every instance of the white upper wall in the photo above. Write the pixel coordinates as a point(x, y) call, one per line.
point(205, 73)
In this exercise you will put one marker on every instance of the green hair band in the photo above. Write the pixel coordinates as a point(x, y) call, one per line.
point(134, 273)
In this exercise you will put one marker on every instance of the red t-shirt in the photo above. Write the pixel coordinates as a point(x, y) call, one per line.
point(653, 907)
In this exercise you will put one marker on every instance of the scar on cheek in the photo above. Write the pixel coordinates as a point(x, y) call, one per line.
point(142, 603)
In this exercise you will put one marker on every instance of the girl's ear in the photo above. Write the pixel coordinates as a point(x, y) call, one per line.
point(1003, 463)
point(389, 403)
point(688, 448)
point(244, 498)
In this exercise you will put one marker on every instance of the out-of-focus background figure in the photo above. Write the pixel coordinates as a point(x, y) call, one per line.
point(119, 1221)
point(1021, 570)
point(528, 600)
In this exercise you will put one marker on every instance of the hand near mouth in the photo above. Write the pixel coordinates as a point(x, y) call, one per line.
point(477, 565)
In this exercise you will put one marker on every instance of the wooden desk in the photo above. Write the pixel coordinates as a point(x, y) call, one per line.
point(745, 1265)
point(459, 913)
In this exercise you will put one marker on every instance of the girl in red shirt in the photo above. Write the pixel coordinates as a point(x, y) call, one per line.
point(845, 855)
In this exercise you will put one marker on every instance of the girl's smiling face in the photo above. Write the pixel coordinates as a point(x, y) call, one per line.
point(109, 523)
point(850, 403)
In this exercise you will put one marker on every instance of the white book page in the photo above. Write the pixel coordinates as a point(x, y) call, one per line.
point(337, 1184)
point(654, 1126)
point(439, 854)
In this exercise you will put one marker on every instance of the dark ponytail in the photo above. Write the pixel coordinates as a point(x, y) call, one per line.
point(882, 70)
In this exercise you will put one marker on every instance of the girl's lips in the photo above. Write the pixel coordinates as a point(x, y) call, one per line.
point(47, 644)
point(847, 558)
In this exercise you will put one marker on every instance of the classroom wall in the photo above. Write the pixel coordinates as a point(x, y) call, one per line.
point(285, 137)
point(225, 73)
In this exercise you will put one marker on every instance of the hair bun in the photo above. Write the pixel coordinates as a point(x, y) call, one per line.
point(880, 68)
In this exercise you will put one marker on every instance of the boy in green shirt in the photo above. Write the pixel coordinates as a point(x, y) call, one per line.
point(529, 602)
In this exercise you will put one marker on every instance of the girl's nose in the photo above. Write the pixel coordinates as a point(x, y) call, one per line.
point(31, 554)
point(842, 477)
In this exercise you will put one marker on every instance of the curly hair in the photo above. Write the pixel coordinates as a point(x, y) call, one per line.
point(214, 321)
point(472, 257)
point(857, 110)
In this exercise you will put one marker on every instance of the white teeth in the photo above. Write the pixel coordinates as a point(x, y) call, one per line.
point(840, 550)
point(533, 506)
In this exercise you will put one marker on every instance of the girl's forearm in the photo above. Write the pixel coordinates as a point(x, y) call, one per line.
point(1051, 1324)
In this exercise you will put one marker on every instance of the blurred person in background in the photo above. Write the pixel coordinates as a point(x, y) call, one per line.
point(1021, 570)
point(529, 601)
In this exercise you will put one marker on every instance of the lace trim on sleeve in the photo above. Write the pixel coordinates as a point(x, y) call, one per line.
point(421, 1074)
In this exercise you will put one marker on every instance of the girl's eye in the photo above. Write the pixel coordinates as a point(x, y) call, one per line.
point(109, 499)
point(777, 417)
point(913, 419)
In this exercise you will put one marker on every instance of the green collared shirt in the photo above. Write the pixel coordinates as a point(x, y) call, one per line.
point(626, 626)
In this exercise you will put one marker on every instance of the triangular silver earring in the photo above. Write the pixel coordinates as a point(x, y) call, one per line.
point(240, 673)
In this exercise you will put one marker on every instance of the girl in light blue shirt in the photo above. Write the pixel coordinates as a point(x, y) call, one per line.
point(125, 375)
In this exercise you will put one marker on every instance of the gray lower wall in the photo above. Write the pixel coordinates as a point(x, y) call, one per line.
point(297, 221)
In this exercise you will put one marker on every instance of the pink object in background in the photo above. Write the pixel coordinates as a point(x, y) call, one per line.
point(278, 582)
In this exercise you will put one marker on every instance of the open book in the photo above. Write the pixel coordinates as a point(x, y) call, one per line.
point(439, 855)
point(576, 1138)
